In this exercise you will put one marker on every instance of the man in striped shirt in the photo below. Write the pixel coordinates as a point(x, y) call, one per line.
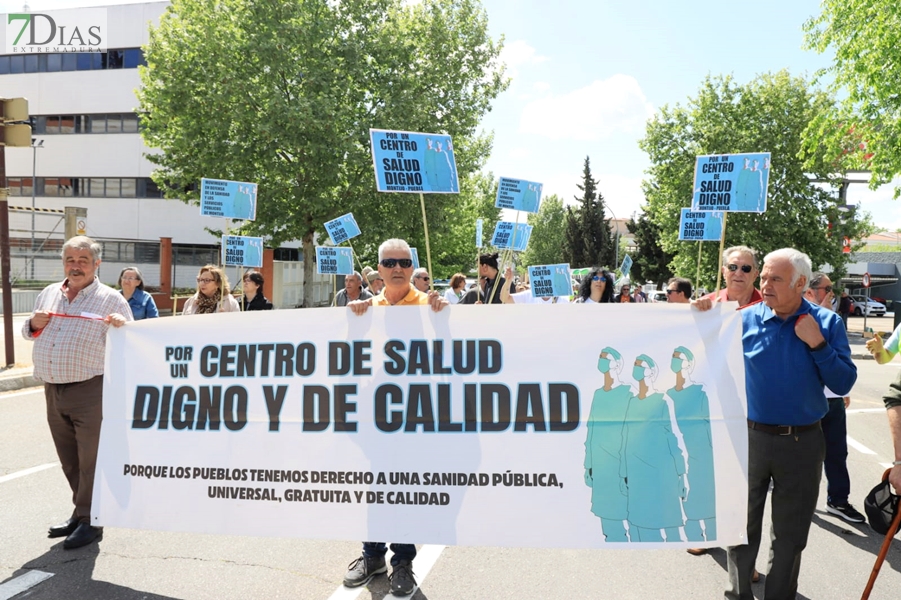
point(68, 327)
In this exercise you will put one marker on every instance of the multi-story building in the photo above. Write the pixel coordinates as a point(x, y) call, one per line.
point(88, 153)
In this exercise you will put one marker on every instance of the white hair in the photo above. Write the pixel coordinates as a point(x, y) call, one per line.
point(800, 262)
point(394, 244)
point(419, 273)
point(740, 250)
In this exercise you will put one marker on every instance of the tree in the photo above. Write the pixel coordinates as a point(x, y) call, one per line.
point(284, 94)
point(650, 262)
point(549, 231)
point(864, 130)
point(588, 241)
point(768, 114)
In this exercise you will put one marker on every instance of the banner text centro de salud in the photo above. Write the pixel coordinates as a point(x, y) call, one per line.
point(413, 426)
point(242, 251)
point(414, 162)
point(700, 226)
point(731, 182)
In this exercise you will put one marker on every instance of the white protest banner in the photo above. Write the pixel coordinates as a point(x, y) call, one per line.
point(408, 425)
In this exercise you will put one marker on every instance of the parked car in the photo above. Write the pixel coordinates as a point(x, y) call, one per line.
point(870, 307)
point(657, 296)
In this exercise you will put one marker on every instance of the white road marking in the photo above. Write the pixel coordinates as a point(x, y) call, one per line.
point(864, 410)
point(30, 471)
point(859, 447)
point(22, 583)
point(425, 559)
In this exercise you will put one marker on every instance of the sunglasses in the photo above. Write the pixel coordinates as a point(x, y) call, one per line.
point(744, 268)
point(668, 292)
point(828, 288)
point(390, 263)
point(424, 278)
point(599, 278)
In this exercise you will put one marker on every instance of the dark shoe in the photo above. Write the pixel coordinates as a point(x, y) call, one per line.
point(83, 535)
point(845, 511)
point(360, 571)
point(697, 551)
point(63, 529)
point(402, 580)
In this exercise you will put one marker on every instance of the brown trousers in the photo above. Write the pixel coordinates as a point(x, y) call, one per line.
point(74, 413)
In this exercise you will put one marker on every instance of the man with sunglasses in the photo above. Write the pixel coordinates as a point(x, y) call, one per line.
point(396, 269)
point(421, 279)
point(740, 273)
point(678, 291)
point(835, 426)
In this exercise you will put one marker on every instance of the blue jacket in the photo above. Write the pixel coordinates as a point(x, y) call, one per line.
point(784, 378)
point(142, 305)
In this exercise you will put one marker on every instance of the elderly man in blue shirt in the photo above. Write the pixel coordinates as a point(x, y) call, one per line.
point(792, 349)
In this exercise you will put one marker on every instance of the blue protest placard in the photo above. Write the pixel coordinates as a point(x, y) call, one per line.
point(701, 226)
point(229, 199)
point(504, 235)
point(550, 280)
point(731, 182)
point(414, 162)
point(479, 239)
point(626, 266)
point(518, 194)
point(415, 256)
point(342, 229)
point(334, 261)
point(241, 251)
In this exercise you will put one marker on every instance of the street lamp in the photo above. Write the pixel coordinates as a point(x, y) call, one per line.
point(35, 144)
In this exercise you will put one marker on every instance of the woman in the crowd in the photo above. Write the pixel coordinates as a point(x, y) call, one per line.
point(596, 287)
point(131, 282)
point(253, 292)
point(457, 288)
point(213, 294)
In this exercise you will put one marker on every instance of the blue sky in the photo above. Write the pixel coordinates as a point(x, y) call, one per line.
point(586, 75)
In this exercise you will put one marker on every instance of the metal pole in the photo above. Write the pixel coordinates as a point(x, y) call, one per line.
point(5, 261)
point(34, 180)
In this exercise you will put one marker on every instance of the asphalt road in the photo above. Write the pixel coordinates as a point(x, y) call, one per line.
point(148, 565)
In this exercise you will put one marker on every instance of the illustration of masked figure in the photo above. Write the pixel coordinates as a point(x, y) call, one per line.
point(453, 165)
point(253, 254)
point(652, 466)
point(530, 198)
point(604, 444)
point(561, 281)
point(692, 413)
point(443, 169)
point(345, 264)
point(429, 162)
point(740, 193)
point(244, 202)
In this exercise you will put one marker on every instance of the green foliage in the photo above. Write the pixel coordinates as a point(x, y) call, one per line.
point(864, 130)
point(549, 230)
point(768, 114)
point(650, 262)
point(284, 94)
point(587, 240)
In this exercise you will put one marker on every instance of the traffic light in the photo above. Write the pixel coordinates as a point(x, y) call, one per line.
point(14, 129)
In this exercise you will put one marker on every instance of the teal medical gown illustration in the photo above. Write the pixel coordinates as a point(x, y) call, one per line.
point(750, 188)
point(692, 412)
point(253, 253)
point(562, 281)
point(345, 263)
point(603, 447)
point(245, 201)
point(652, 465)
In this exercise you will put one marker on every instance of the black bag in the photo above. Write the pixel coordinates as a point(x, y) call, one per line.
point(881, 506)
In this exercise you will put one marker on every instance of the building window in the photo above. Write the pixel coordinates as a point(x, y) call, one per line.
point(126, 58)
point(129, 123)
point(95, 187)
point(128, 188)
point(82, 187)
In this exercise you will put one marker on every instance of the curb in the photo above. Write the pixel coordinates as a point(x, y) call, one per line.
point(19, 382)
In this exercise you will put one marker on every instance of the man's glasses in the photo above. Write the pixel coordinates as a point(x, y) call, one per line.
point(390, 263)
point(828, 288)
point(668, 292)
point(205, 280)
point(424, 278)
point(744, 268)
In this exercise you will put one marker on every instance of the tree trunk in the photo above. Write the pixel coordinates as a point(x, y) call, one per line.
point(309, 260)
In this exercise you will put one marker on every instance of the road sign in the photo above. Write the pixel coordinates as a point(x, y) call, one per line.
point(866, 280)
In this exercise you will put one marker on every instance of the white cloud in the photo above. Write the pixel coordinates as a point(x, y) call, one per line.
point(519, 54)
point(593, 112)
point(541, 86)
point(622, 195)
